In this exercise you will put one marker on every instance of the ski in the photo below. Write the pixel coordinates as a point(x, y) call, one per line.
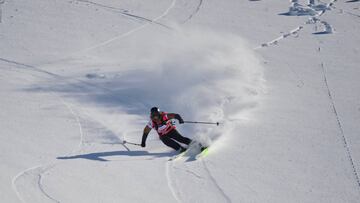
point(203, 153)
point(194, 151)
point(177, 156)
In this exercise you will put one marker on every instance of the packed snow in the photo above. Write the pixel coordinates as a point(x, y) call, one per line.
point(78, 79)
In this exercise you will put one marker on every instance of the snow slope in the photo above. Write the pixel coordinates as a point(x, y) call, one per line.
point(78, 78)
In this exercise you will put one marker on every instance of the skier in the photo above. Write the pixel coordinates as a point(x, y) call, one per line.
point(161, 122)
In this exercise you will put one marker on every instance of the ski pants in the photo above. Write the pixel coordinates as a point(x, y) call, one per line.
point(171, 138)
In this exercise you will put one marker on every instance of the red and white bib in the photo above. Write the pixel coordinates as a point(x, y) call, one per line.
point(162, 127)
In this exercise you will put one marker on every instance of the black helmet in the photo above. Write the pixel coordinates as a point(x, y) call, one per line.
point(154, 111)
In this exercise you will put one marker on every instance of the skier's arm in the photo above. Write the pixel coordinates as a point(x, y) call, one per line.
point(176, 116)
point(145, 135)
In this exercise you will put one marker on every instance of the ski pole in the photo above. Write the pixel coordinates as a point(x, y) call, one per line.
point(200, 122)
point(124, 142)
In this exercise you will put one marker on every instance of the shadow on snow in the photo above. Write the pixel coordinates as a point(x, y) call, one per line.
point(99, 156)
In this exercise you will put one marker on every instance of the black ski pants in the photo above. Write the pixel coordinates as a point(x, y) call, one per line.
point(173, 136)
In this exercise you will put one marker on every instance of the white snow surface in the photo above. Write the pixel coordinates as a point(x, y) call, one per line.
point(78, 77)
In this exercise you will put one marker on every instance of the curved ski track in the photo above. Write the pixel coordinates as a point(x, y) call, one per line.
point(194, 13)
point(35, 173)
point(208, 180)
point(131, 31)
point(123, 12)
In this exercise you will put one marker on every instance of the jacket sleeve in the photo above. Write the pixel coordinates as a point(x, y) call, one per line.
point(176, 116)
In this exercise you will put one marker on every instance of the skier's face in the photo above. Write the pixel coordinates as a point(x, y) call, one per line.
point(155, 117)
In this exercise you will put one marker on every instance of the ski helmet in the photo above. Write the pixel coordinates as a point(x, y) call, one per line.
point(155, 111)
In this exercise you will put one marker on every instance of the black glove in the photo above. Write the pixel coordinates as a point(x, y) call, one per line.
point(143, 141)
point(178, 117)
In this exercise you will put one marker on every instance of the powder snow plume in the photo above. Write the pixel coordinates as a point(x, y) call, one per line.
point(201, 74)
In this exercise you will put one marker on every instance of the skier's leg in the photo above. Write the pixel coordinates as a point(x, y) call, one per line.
point(174, 134)
point(170, 143)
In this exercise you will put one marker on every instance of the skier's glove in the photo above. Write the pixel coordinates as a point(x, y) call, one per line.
point(143, 140)
point(178, 117)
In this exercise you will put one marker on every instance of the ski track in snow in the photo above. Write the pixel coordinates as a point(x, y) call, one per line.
point(171, 183)
point(338, 120)
point(33, 176)
point(39, 170)
point(124, 12)
point(222, 192)
point(208, 181)
point(313, 20)
point(129, 32)
point(35, 173)
point(25, 172)
point(194, 13)
point(328, 30)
